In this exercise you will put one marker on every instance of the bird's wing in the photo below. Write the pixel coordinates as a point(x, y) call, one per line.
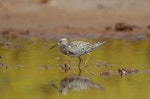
point(78, 47)
point(93, 46)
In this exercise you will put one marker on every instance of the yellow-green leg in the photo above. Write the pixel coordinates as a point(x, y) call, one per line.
point(87, 59)
point(86, 66)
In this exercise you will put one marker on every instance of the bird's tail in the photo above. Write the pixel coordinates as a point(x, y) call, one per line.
point(100, 43)
point(96, 45)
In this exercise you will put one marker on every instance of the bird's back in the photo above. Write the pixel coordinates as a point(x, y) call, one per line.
point(78, 48)
point(75, 48)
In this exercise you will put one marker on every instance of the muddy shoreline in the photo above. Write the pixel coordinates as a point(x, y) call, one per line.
point(75, 19)
point(71, 32)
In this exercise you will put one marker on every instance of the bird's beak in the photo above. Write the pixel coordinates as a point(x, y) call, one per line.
point(54, 46)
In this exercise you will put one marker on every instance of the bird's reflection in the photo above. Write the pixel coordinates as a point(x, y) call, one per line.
point(77, 83)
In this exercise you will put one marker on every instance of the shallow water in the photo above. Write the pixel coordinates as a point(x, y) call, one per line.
point(29, 70)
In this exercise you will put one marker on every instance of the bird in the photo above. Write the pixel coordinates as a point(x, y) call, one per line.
point(76, 48)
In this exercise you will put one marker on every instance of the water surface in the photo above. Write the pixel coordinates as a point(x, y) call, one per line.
point(28, 69)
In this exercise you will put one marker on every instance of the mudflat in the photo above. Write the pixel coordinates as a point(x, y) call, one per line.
point(75, 18)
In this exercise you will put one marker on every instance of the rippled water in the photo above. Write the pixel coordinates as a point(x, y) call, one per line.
point(30, 70)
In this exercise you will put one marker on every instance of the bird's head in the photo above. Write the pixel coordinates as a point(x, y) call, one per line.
point(62, 42)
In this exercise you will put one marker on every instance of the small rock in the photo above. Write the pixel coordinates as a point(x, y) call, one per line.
point(148, 71)
point(103, 65)
point(3, 65)
point(123, 27)
point(65, 67)
point(40, 1)
point(107, 73)
point(1, 57)
point(45, 67)
point(148, 26)
point(126, 71)
point(108, 28)
point(6, 34)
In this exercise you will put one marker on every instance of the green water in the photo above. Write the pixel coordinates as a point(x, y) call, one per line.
point(27, 67)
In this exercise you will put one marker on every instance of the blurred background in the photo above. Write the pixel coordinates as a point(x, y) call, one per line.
point(81, 18)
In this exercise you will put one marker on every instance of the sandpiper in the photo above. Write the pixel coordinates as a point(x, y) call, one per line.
point(76, 48)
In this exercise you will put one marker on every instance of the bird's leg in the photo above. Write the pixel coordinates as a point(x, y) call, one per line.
point(85, 63)
point(79, 66)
